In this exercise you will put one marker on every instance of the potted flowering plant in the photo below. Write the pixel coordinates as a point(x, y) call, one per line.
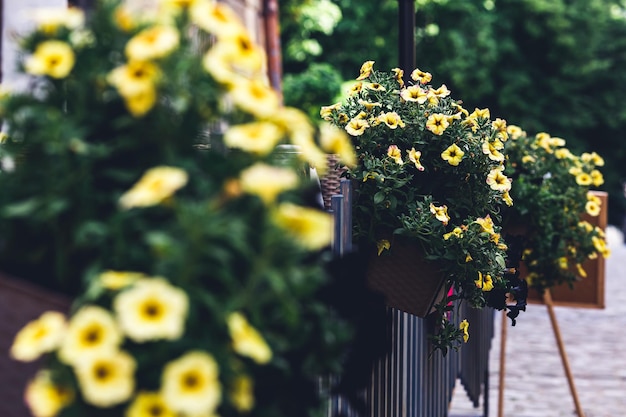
point(551, 189)
point(199, 270)
point(431, 173)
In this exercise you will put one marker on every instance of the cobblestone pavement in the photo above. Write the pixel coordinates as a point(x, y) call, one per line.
point(595, 343)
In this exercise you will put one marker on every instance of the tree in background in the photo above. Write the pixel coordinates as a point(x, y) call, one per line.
point(547, 65)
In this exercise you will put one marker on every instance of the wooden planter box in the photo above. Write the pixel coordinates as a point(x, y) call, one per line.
point(20, 302)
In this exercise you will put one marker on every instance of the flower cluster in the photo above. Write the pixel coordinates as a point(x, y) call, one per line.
point(197, 266)
point(553, 207)
point(431, 170)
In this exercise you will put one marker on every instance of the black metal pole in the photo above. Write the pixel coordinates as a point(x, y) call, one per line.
point(406, 35)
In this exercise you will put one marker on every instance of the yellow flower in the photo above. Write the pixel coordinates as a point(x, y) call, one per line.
point(116, 280)
point(584, 179)
point(247, 341)
point(334, 140)
point(152, 309)
point(356, 126)
point(464, 326)
point(563, 262)
point(190, 384)
point(355, 88)
point(500, 126)
point(507, 198)
point(485, 283)
point(528, 159)
point(134, 78)
point(468, 257)
point(267, 181)
point(374, 86)
point(593, 158)
point(415, 94)
point(440, 212)
point(437, 123)
point(255, 97)
point(581, 271)
point(91, 331)
point(326, 112)
point(596, 178)
point(44, 398)
point(257, 137)
point(440, 92)
point(154, 186)
point(486, 223)
point(398, 75)
point(414, 156)
point(480, 114)
point(53, 58)
point(234, 58)
point(453, 155)
point(39, 336)
point(149, 404)
point(515, 132)
point(141, 103)
point(382, 245)
point(216, 18)
point(106, 379)
point(152, 43)
point(242, 394)
point(391, 119)
point(312, 228)
point(50, 19)
point(456, 232)
point(421, 76)
point(366, 70)
point(563, 153)
point(490, 149)
point(395, 153)
point(600, 246)
point(498, 181)
point(592, 208)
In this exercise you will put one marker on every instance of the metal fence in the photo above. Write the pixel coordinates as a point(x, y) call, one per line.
point(409, 381)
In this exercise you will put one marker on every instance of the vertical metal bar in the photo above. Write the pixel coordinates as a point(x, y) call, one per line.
point(336, 204)
point(272, 44)
point(345, 186)
point(406, 35)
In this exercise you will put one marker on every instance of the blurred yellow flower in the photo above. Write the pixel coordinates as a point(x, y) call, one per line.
point(154, 186)
point(152, 309)
point(91, 331)
point(234, 60)
point(311, 227)
point(437, 123)
point(53, 58)
point(257, 137)
point(456, 232)
point(267, 181)
point(453, 155)
point(134, 78)
point(485, 282)
point(247, 341)
point(39, 336)
point(116, 280)
point(382, 245)
point(190, 384)
point(335, 141)
point(592, 158)
point(50, 19)
point(45, 398)
point(596, 178)
point(216, 18)
point(584, 179)
point(592, 208)
point(152, 43)
point(242, 393)
point(255, 97)
point(106, 379)
point(141, 103)
point(464, 326)
point(149, 404)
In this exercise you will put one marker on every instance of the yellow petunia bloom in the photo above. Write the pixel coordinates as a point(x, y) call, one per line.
point(592, 208)
point(584, 179)
point(453, 155)
point(601, 246)
point(456, 232)
point(507, 198)
point(141, 103)
point(437, 123)
point(355, 88)
point(234, 59)
point(592, 158)
point(368, 105)
point(498, 181)
point(190, 384)
point(490, 149)
point(52, 58)
point(51, 19)
point(395, 153)
point(398, 75)
point(335, 141)
point(44, 398)
point(596, 178)
point(440, 212)
point(480, 114)
point(312, 228)
point(242, 394)
point(257, 137)
point(374, 86)
point(500, 126)
point(486, 223)
point(116, 280)
point(149, 404)
point(382, 245)
point(581, 271)
point(267, 182)
point(515, 132)
point(92, 331)
point(391, 119)
point(326, 112)
point(156, 185)
point(366, 70)
point(485, 282)
point(247, 341)
point(152, 43)
point(563, 263)
point(563, 153)
point(216, 18)
point(106, 379)
point(356, 126)
point(440, 92)
point(414, 156)
point(255, 97)
point(421, 76)
point(152, 309)
point(39, 336)
point(464, 327)
point(134, 78)
point(528, 159)
point(415, 94)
